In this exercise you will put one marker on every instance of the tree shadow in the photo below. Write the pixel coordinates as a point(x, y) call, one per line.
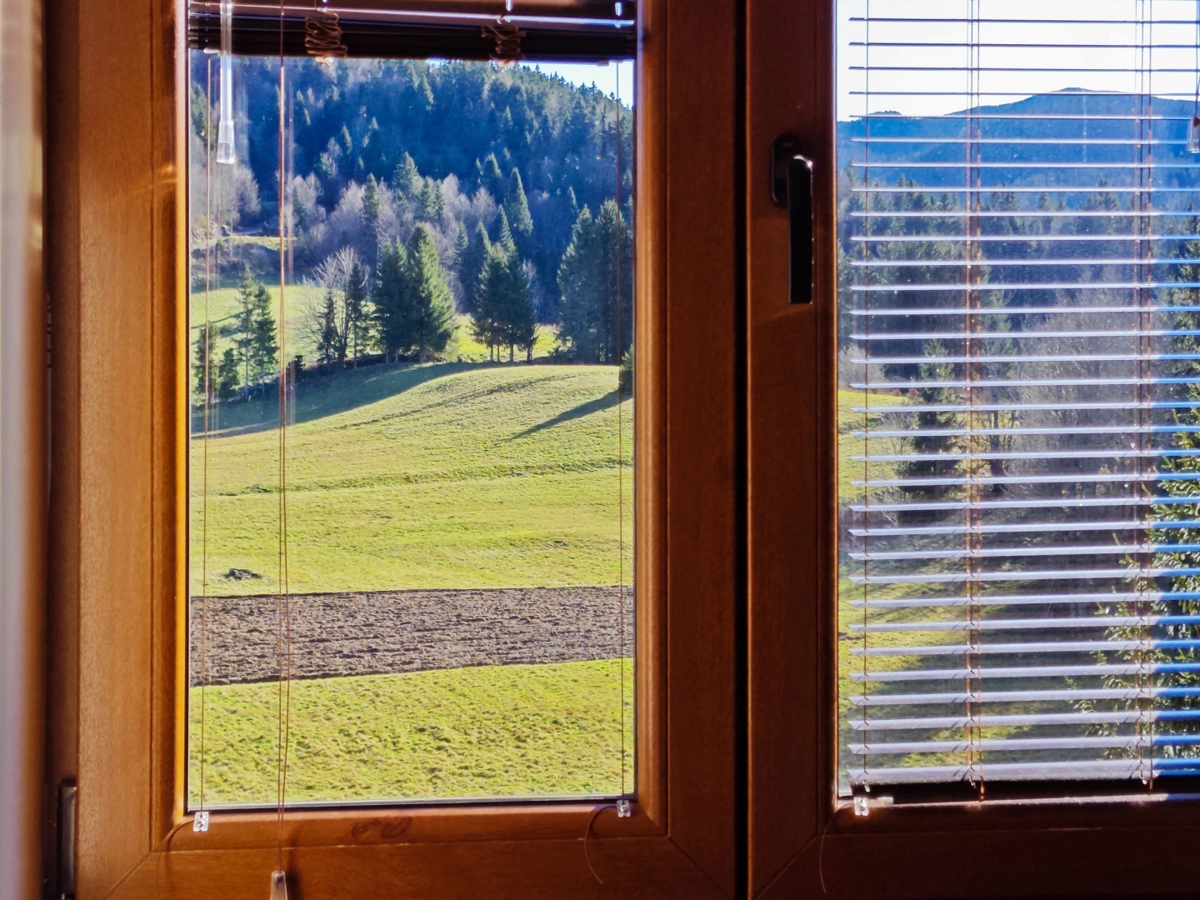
point(608, 401)
point(319, 396)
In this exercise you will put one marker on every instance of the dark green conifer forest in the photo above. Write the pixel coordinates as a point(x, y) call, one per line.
point(496, 175)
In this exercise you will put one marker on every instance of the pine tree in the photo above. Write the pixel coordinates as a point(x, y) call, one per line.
point(392, 320)
point(490, 177)
point(461, 240)
point(227, 375)
point(357, 319)
point(264, 349)
point(489, 300)
point(432, 201)
point(370, 204)
point(243, 328)
point(407, 179)
point(504, 236)
point(926, 442)
point(432, 303)
point(206, 366)
point(470, 267)
point(327, 338)
point(516, 319)
point(592, 324)
point(517, 205)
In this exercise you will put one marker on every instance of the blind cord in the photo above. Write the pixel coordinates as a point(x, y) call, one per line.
point(201, 820)
point(620, 445)
point(866, 446)
point(283, 603)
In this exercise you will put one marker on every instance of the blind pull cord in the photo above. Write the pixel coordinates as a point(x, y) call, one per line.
point(200, 820)
point(623, 806)
point(621, 440)
point(283, 603)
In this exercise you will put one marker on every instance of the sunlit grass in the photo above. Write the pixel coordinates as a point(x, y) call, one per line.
point(494, 731)
point(437, 476)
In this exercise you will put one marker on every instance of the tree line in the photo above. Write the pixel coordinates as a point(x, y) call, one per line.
point(380, 146)
point(403, 306)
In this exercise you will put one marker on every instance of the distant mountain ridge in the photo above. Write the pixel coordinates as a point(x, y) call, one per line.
point(1095, 128)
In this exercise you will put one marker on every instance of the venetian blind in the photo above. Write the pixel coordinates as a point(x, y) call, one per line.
point(555, 30)
point(1019, 399)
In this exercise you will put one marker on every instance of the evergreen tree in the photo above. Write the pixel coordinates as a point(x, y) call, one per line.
point(517, 205)
point(489, 176)
point(392, 320)
point(328, 349)
point(592, 325)
point(342, 324)
point(357, 318)
point(461, 241)
point(227, 375)
point(430, 300)
point(515, 320)
point(243, 327)
point(264, 350)
point(926, 443)
point(470, 267)
point(504, 235)
point(433, 203)
point(370, 204)
point(489, 300)
point(407, 180)
point(206, 365)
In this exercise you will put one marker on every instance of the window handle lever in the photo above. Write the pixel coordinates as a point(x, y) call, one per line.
point(792, 189)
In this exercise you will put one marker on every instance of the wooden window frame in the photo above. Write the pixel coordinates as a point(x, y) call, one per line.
point(801, 841)
point(117, 277)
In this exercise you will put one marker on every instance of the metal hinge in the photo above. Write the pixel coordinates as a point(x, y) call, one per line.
point(66, 840)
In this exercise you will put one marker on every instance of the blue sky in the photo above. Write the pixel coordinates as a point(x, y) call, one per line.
point(603, 77)
point(1094, 44)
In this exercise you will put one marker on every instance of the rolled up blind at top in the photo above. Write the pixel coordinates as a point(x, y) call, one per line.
point(1019, 393)
point(546, 30)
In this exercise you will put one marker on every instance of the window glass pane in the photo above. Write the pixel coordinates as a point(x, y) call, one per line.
point(1019, 395)
point(411, 431)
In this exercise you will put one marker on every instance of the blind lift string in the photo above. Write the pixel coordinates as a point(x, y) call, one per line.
point(620, 442)
point(200, 821)
point(621, 806)
point(283, 603)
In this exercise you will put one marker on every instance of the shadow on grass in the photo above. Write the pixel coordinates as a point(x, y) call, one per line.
point(318, 396)
point(608, 401)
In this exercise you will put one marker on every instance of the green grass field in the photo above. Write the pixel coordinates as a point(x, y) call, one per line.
point(220, 305)
point(487, 732)
point(436, 476)
point(399, 477)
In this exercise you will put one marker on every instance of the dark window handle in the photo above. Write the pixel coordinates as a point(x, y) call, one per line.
point(792, 189)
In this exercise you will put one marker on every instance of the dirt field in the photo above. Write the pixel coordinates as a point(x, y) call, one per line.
point(406, 631)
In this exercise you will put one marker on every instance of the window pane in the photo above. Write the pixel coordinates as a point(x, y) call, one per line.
point(1019, 399)
point(439, 535)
